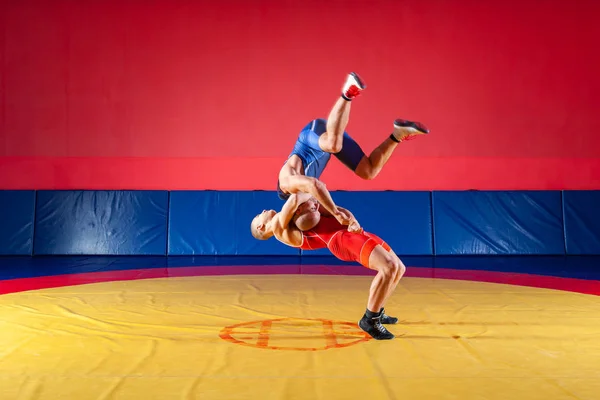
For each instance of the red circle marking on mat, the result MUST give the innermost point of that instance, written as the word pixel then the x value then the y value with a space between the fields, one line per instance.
pixel 258 334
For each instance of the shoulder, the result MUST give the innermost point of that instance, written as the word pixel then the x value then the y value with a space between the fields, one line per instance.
pixel 290 236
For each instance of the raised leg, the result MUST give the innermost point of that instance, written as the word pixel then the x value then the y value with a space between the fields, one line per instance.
pixel 331 140
pixel 370 166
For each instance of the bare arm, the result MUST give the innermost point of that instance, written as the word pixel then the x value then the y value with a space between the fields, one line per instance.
pixel 310 185
pixel 353 225
pixel 347 212
pixel 282 229
pixel 307 184
pixel 281 221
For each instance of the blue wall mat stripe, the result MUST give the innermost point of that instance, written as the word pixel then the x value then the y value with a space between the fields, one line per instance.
pixel 402 219
pixel 508 222
pixel 431 212
pixel 582 222
pixel 101 222
pixel 17 209
pixel 218 223
pixel 414 223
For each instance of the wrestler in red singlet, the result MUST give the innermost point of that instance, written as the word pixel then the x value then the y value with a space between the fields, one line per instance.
pixel 347 246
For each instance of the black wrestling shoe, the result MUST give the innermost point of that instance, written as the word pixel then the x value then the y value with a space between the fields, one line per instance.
pixel 374 328
pixel 386 319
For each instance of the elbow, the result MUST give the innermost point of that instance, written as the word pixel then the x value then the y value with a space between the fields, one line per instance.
pixel 288 187
pixel 333 145
pixel 284 186
pixel 293 198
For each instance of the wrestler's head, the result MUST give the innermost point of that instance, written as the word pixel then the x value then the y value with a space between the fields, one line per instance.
pixel 259 226
pixel 307 215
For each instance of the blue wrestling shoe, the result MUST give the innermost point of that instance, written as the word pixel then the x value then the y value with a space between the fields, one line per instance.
pixel 407 130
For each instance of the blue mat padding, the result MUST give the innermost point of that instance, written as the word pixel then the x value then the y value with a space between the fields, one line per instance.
pixel 402 219
pixel 582 222
pixel 218 223
pixel 498 223
pixel 17 209
pixel 101 223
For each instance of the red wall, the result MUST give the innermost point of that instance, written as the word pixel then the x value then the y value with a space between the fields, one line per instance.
pixel 211 95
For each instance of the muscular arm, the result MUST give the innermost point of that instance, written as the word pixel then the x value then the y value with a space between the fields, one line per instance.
pixel 282 219
pixel 350 215
pixel 282 229
pixel 353 225
pixel 307 184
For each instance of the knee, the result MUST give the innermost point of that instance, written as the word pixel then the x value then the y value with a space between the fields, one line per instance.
pixel 401 269
pixel 390 269
pixel 394 269
pixel 365 172
pixel 331 145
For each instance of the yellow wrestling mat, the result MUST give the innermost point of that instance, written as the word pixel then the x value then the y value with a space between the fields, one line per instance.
pixel 295 337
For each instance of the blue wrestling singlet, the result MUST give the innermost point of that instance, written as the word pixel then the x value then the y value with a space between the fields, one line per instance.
pixel 314 159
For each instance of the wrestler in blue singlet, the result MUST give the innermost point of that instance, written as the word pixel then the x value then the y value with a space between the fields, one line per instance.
pixel 314 159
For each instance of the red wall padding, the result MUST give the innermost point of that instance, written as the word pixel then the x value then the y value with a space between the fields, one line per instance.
pixel 211 95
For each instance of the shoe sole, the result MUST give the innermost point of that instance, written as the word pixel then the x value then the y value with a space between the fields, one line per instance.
pixel 417 126
pixel 361 83
pixel 360 327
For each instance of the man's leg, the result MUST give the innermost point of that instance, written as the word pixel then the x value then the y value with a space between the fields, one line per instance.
pixel 369 167
pixel 386 319
pixel 331 140
pixel 335 140
pixel 388 274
